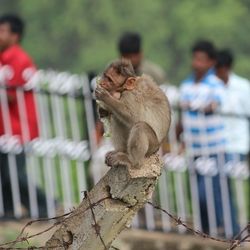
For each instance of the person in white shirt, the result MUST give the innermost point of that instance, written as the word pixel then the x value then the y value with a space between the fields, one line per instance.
pixel 236 109
pixel 236 106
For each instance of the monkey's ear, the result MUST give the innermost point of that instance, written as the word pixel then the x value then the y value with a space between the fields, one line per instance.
pixel 130 83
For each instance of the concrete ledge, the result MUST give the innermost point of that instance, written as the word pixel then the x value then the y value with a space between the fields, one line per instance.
pixel 128 190
pixel 134 239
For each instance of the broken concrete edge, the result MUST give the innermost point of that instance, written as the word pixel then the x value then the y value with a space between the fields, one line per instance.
pixel 122 193
pixel 131 185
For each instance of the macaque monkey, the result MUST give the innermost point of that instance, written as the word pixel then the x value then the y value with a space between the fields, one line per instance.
pixel 139 114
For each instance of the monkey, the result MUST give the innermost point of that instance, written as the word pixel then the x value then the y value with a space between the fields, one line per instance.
pixel 138 111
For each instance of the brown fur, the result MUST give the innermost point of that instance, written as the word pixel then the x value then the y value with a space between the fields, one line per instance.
pixel 140 120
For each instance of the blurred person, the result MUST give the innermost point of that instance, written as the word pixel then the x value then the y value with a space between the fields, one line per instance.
pixel 236 102
pixel 130 47
pixel 16 68
pixel 203 131
pixel 171 142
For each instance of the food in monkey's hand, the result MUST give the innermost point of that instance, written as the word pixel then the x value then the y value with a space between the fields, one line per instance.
pixel 103 114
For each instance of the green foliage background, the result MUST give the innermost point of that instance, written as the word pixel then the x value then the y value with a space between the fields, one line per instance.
pixel 81 35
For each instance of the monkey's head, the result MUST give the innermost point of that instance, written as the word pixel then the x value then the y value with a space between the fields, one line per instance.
pixel 118 76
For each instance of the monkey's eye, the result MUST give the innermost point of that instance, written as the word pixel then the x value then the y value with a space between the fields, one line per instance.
pixel 108 80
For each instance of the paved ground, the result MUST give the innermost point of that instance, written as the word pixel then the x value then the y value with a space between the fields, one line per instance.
pixel 128 240
pixel 141 240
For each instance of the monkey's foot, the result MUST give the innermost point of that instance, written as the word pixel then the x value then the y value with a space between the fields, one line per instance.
pixel 115 159
pixel 108 157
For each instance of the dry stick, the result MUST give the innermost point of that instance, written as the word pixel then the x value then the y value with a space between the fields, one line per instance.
pixel 240 233
pixel 38 220
pixel 115 248
pixel 96 225
pixel 234 242
pixel 30 247
pixel 21 239
pixel 238 242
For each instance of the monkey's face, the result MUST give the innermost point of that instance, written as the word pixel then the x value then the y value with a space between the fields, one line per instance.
pixel 112 81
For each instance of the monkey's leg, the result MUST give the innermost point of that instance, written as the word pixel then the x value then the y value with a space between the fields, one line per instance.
pixel 119 137
pixel 142 143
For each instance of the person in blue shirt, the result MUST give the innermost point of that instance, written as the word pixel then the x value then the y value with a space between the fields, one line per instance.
pixel 201 96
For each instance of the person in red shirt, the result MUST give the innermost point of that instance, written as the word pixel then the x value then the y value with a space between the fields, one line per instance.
pixel 16 68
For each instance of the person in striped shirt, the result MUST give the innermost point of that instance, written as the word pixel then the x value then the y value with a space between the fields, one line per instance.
pixel 201 95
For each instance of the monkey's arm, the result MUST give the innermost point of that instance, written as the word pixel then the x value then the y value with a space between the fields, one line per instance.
pixel 114 106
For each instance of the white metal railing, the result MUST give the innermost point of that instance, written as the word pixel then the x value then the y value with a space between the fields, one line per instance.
pixel 58 161
pixel 178 185
pixel 179 193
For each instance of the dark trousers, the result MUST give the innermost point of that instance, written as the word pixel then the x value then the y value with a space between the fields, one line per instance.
pixel 203 202
pixel 217 202
pixel 23 186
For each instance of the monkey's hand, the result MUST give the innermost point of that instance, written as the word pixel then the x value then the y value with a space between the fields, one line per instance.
pixel 102 94
pixel 114 105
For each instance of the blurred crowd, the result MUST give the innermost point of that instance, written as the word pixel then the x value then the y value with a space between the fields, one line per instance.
pixel 213 93
pixel 211 114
